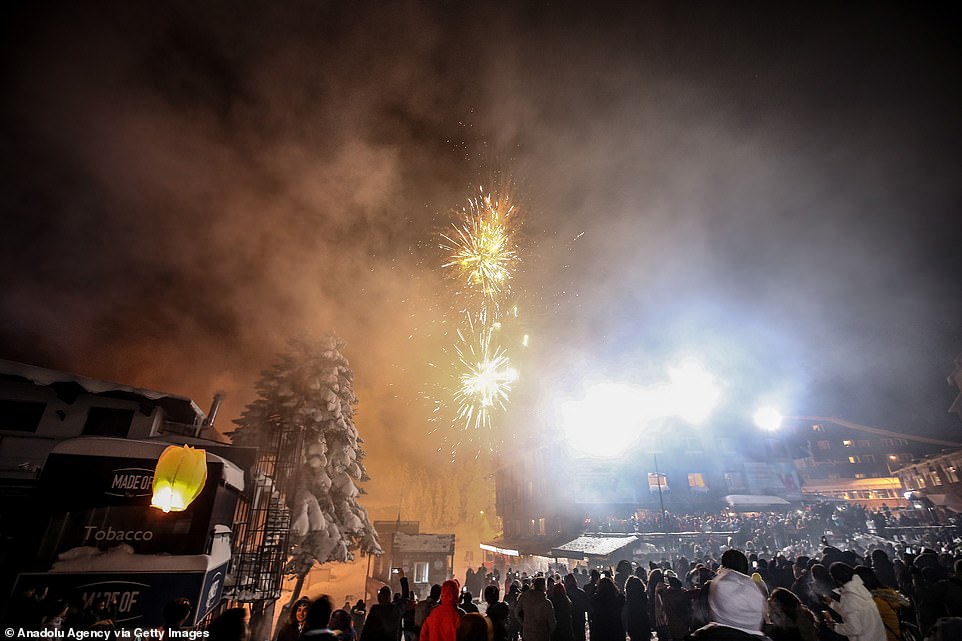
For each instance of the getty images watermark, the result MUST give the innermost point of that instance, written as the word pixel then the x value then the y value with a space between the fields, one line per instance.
pixel 82 635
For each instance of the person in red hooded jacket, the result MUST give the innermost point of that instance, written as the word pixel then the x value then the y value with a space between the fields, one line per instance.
pixel 442 623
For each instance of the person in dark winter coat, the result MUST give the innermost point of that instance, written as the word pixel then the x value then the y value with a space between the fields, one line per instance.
pixel 951 590
pixel 511 598
pixel 342 625
pixel 635 612
pixel 789 619
pixel 622 572
pixel 358 614
pixel 562 614
pixel 497 612
pixel 535 612
pixel 579 607
pixel 884 569
pixel 383 622
pixel 318 619
pixel 655 578
pixel 674 606
pixel 606 608
pixel 467 602
pixel 424 607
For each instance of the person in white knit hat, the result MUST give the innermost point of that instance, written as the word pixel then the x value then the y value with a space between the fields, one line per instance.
pixel 736 609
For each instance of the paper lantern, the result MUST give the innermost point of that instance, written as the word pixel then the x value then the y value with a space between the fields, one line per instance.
pixel 178 478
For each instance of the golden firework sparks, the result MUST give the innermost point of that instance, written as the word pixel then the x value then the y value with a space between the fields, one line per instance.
pixel 485 382
pixel 482 248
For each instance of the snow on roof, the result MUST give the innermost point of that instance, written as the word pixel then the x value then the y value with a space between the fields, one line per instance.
pixel 139 449
pixel 180 409
pixel 122 558
pixel 595 545
pixel 431 543
pixel 755 499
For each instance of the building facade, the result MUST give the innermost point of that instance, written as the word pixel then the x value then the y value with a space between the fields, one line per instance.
pixel 76 460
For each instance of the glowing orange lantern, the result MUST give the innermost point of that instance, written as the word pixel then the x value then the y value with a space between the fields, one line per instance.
pixel 178 478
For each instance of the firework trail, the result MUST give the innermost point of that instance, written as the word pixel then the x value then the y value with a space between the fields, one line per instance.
pixel 480 253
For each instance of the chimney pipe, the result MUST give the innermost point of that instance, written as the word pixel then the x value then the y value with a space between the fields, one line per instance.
pixel 212 413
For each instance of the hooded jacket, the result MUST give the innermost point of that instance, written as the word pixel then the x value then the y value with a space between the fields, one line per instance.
pixel 889 602
pixel 442 623
pixel 861 620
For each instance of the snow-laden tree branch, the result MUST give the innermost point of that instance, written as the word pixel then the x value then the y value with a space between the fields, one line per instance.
pixel 304 415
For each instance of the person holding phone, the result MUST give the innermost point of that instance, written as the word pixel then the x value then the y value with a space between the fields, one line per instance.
pixel 861 620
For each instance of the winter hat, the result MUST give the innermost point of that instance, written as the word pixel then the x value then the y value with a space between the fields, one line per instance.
pixel 736 601
pixel 735 560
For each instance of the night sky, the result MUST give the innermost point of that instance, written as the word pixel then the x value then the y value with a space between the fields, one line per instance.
pixel 775 190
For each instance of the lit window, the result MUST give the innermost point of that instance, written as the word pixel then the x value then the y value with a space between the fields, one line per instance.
pixel 853 459
pixel 848 443
pixel 656 481
pixel 696 482
pixel 421 572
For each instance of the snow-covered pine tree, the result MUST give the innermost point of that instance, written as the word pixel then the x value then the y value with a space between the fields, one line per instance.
pixel 304 417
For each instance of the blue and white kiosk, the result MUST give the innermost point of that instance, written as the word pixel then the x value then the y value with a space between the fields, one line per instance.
pixel 104 540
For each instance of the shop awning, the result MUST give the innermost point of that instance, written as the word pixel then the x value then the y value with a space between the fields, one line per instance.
pixel 593 546
pixel 521 547
pixel 755 502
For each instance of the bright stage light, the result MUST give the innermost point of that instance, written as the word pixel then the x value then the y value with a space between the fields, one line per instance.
pixel 768 418
pixel 693 392
pixel 605 423
pixel 614 416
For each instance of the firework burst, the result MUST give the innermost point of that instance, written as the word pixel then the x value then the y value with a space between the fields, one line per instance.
pixel 481 248
pixel 485 380
pixel 480 255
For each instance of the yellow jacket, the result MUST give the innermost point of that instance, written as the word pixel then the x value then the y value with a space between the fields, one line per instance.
pixel 888 602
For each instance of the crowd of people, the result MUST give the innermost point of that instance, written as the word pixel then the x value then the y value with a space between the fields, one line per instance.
pixel 763 577
pixel 775 529
pixel 743 578
pixel 883 592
